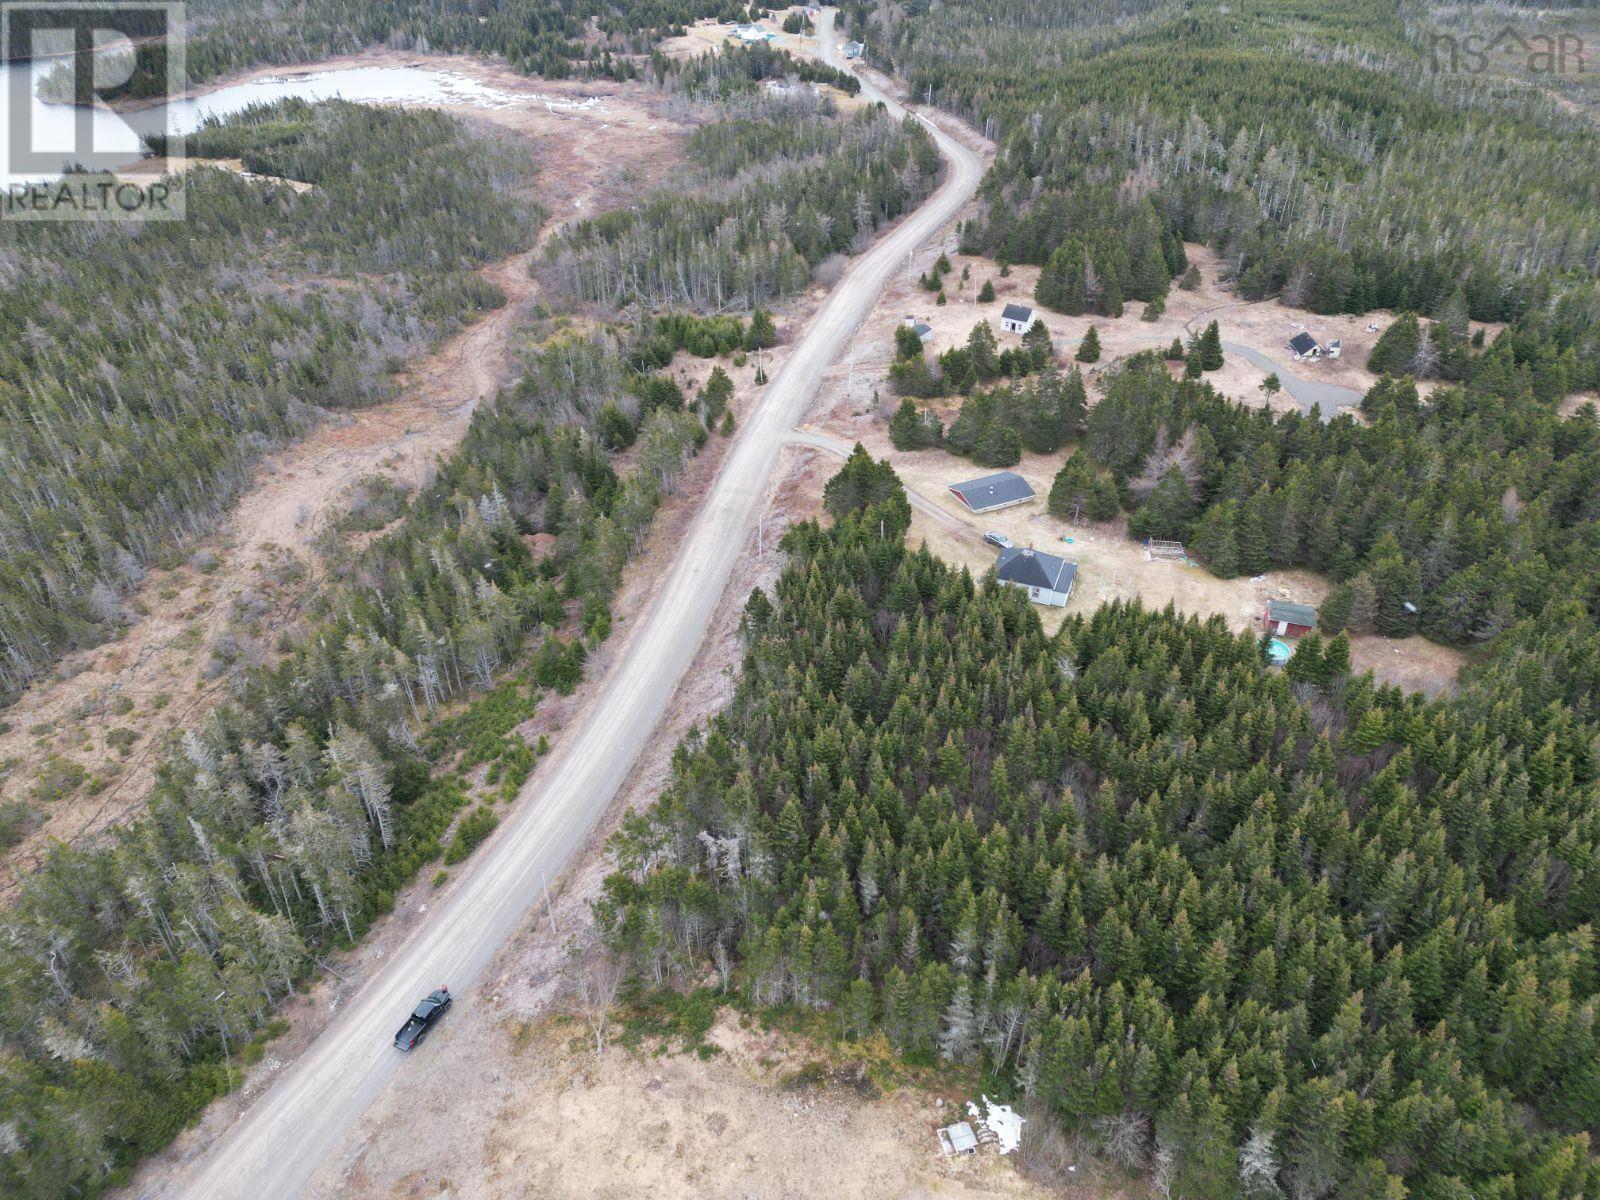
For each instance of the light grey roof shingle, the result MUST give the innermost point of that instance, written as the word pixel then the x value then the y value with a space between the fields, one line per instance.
pixel 992 491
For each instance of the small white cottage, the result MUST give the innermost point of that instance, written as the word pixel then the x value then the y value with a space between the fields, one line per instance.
pixel 1017 318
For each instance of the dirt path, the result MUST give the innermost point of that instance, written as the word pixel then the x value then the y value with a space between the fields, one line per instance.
pixel 265 572
pixel 103 716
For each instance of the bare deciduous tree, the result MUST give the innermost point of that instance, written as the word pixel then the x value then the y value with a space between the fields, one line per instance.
pixel 595 988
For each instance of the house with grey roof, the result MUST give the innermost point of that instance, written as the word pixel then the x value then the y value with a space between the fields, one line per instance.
pixel 1303 346
pixel 1046 578
pixel 1017 318
pixel 992 492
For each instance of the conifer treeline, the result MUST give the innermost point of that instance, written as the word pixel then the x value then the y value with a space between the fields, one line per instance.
pixel 1315 146
pixel 782 184
pixel 963 368
pixel 552 38
pixel 1266 933
pixel 133 971
pixel 1477 509
pixel 733 67
pixel 144 370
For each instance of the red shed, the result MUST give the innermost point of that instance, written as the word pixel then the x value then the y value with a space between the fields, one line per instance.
pixel 1287 619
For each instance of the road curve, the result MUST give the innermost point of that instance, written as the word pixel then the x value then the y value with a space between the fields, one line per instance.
pixel 279 1141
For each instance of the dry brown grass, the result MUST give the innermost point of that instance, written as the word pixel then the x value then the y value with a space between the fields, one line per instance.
pixel 857 401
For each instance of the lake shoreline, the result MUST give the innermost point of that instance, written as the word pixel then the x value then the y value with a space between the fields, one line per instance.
pixel 379 57
pixel 458 84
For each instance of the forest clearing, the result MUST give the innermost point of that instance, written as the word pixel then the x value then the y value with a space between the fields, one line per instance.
pixel 1112 566
pixel 1264 326
pixel 762 1115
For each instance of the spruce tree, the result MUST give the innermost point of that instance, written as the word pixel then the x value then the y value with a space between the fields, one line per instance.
pixel 983 352
pixel 1211 348
pixel 1037 343
pixel 909 429
pixel 1166 513
pixel 1074 405
pixel 762 333
pixel 1000 446
pixel 1089 348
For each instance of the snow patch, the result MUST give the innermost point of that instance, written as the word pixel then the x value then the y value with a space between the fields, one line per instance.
pixel 1001 1120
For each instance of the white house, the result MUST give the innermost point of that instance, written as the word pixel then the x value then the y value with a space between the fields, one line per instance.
pixel 853 49
pixel 1017 318
pixel 1046 578
pixel 1306 348
pixel 1303 346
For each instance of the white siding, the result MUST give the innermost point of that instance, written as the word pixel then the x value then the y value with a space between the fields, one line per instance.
pixel 1041 595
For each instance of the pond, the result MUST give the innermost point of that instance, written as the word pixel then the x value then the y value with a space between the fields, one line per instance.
pixel 115 136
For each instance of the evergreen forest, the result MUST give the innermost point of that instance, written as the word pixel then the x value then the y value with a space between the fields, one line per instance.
pixel 145 369
pixel 1456 518
pixel 779 185
pixel 555 39
pixel 1260 933
pixel 138 973
pixel 1329 153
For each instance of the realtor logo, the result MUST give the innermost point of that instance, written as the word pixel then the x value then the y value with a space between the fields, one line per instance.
pixel 73 74
pixel 1538 54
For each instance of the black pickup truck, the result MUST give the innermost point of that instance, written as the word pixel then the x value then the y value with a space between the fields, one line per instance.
pixel 423 1018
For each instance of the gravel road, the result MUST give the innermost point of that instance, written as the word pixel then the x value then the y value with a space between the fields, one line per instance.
pixel 280 1139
